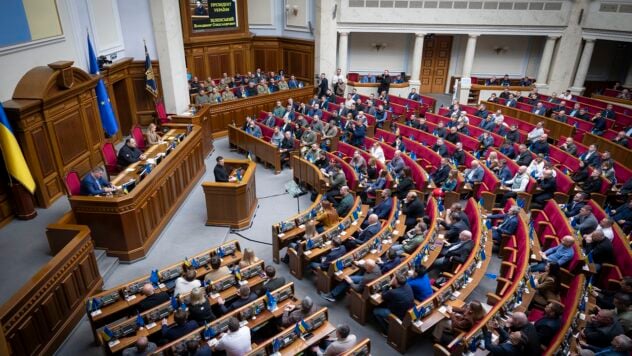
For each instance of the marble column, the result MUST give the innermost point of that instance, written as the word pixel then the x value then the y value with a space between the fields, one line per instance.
pixel 165 17
pixel 468 62
pixel 628 78
pixel 568 49
pixel 343 49
pixel 325 36
pixel 415 76
pixel 582 69
pixel 545 63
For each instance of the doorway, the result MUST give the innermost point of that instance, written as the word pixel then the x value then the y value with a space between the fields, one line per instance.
pixel 435 63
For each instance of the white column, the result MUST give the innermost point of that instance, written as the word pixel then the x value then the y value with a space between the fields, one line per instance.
pixel 584 63
pixel 165 17
pixel 325 38
pixel 415 76
pixel 470 49
pixel 628 78
pixel 343 49
pixel 545 62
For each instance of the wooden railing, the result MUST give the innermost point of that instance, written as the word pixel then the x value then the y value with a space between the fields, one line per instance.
pixel 39 317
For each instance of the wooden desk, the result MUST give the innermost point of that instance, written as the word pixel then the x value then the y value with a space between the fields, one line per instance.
pixel 557 128
pixel 233 203
pixel 621 154
pixel 127 225
pixel 261 149
pixel 201 118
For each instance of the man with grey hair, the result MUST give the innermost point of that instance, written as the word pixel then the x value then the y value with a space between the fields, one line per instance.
pixel 292 315
pixel 94 183
pixel 508 225
pixel 518 322
pixel 344 342
pixel 517 184
pixel 453 254
pixel 560 254
pixel 355 282
pixel 366 233
pixel 141 348
pixel 346 203
pixel 600 330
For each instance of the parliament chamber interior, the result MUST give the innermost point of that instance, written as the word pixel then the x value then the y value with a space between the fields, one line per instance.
pixel 316 177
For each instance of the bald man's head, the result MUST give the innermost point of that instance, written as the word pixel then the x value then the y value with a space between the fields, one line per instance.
pixel 148 289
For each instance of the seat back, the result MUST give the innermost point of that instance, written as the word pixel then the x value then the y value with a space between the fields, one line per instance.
pixel 137 134
pixel 161 111
pixel 108 153
pixel 73 183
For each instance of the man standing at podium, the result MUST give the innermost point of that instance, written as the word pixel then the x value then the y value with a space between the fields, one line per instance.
pixel 220 172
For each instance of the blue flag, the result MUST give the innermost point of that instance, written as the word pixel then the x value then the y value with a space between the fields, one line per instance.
pixel 140 322
pixel 150 80
pixel 354 215
pixel 339 266
pixel 440 206
pixel 276 345
pixel 488 224
pixel 341 226
pixel 418 259
pixel 194 263
pixel 208 332
pixel 590 257
pixel 220 252
pixel 531 230
pixel 271 301
pixel 413 155
pixel 520 202
pixel 174 302
pixel 153 277
pixel 309 244
pixel 531 281
pixel 107 334
pixel 483 255
pixel 103 100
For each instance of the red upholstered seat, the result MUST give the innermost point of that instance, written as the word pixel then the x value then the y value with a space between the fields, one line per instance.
pixel 137 134
pixel 354 77
pixel 73 183
pixel 108 153
pixel 161 111
pixel 266 131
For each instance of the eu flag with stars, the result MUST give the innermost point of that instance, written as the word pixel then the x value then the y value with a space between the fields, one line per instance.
pixel 103 100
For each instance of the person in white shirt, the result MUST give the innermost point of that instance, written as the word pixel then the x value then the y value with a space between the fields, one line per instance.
pixel 537 131
pixel 605 226
pixel 338 76
pixel 236 342
pixel 566 95
pixel 536 167
pixel 378 152
pixel 344 342
pixel 186 283
pixel 499 118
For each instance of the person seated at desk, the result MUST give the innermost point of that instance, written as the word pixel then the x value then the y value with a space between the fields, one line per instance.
pixel 244 296
pixel 547 186
pixel 397 301
pixel 508 226
pixel 453 254
pixel 460 319
pixel 547 286
pixel 142 347
pixel 343 342
pixel 355 282
pixel 383 209
pixel 560 254
pixel 273 282
pixel 199 308
pixel 474 174
pixel 518 321
pixel 414 208
pixel 248 258
pixel 152 136
pixel 392 260
pixel 181 328
pixel 292 315
pixel 374 186
pixel 337 251
pixel 237 341
pixel 420 283
pixel 549 324
pixel 574 206
pixel 513 345
pixel 599 332
pixel 220 172
pixel 585 222
pixel 405 184
pixel 374 226
pixel 95 184
pixel 152 298
pixel 218 270
pixel 129 153
pixel 454 224
pixel 186 283
pixel 346 203
pixel 599 250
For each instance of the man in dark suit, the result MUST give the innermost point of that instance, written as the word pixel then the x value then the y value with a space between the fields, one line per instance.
pixel 337 250
pixel 398 300
pixel 440 130
pixel 524 157
pixel 441 148
pixel 273 282
pixel 549 324
pixel 518 322
pixel 508 226
pixel 441 174
pixel 539 109
pixel 511 102
pixel 384 207
pixel 413 208
pixel 482 111
pixel 129 153
pixel 220 172
pixel 365 234
pixel 181 328
pixel 385 83
pixel 413 95
pixel 323 85
pixel 454 229
pixel 152 298
pixel 608 112
pixel 453 254
pixel 572 208
pixel 95 184
pixel 591 157
pixel 547 185
pixel 244 295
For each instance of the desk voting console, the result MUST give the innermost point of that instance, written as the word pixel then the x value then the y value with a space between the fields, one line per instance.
pixel 233 203
pixel 128 223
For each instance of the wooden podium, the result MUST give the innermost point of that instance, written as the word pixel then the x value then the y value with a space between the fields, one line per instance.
pixel 232 204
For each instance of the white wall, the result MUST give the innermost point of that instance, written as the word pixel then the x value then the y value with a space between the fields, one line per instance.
pixel 269 18
pixel 612 17
pixel 135 21
pixel 363 58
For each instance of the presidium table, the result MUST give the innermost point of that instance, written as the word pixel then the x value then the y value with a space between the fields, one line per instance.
pixel 232 204
pixel 127 223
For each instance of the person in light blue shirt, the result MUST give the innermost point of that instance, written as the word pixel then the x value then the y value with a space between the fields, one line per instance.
pixel 560 254
pixel 420 284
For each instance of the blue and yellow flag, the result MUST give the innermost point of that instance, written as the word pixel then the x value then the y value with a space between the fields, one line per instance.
pixel 237 273
pixel 108 121
pixel 12 154
pixel 107 334
pixel 150 80
pixel 139 320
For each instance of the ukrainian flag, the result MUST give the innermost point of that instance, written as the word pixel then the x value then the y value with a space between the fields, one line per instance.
pixel 12 154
